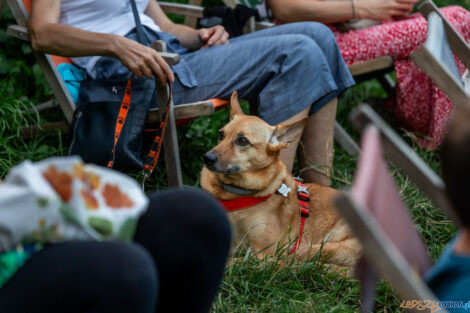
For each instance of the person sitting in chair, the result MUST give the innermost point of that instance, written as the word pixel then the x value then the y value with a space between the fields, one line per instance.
pixel 291 71
pixel 450 277
pixel 369 29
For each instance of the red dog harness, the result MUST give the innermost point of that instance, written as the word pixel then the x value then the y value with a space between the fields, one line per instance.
pixel 249 201
pixel 303 198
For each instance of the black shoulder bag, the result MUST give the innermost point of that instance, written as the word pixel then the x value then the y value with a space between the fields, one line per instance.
pixel 108 124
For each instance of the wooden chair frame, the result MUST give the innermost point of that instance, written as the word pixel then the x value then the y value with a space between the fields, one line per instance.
pixel 433 67
pixel 360 71
pixel 382 253
pixel 67 105
pixel 377 247
pixel 376 68
pixel 405 158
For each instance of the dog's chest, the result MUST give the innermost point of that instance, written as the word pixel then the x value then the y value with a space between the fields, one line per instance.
pixel 266 222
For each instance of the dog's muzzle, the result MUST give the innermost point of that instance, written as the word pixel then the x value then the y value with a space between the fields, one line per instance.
pixel 210 159
pixel 212 163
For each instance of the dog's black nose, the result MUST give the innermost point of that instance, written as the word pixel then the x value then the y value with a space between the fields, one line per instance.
pixel 210 158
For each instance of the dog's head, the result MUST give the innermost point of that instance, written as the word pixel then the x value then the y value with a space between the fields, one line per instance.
pixel 247 143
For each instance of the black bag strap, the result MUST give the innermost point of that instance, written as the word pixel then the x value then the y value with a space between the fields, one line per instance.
pixel 150 161
pixel 138 25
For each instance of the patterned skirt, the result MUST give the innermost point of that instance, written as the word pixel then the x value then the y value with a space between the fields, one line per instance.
pixel 420 106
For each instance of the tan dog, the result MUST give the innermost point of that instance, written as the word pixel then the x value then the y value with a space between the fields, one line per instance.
pixel 245 161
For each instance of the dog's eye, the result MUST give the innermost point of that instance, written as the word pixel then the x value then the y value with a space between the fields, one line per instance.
pixel 242 141
pixel 221 135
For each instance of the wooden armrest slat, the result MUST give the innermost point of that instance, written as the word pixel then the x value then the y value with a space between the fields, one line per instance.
pixel 190 110
pixel 183 9
pixel 18 31
pixel 263 25
pixel 21 32
pixel 377 64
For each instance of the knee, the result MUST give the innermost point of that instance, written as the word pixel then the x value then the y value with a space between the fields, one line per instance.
pixel 322 35
pixel 195 213
pixel 304 49
pixel 132 273
pixel 300 43
pixel 316 30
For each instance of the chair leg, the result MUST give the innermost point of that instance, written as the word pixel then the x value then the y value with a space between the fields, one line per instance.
pixel 253 107
pixel 388 84
pixel 172 155
pixel 170 140
pixel 345 141
pixel 2 4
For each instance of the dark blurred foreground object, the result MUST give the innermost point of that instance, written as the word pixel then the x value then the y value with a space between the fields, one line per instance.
pixel 180 248
pixel 234 20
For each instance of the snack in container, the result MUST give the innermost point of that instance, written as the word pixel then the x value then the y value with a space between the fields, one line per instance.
pixel 62 199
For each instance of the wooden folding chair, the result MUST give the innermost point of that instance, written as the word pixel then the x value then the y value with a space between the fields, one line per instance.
pixel 362 71
pixel 378 218
pixel 402 155
pixel 435 57
pixel 48 65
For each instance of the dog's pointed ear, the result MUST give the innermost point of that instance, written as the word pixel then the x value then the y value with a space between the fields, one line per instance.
pixel 284 134
pixel 235 108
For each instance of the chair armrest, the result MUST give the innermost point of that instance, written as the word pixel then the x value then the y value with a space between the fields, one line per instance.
pixel 21 32
pixel 369 66
pixel 263 25
pixel 18 31
pixel 184 111
pixel 183 9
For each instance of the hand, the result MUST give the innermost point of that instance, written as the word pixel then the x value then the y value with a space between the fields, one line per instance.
pixel 142 60
pixel 383 10
pixel 213 36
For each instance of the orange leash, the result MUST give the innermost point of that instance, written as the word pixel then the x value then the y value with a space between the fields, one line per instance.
pixel 125 104
pixel 152 157
pixel 155 149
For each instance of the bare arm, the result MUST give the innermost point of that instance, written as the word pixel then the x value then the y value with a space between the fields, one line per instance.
pixel 339 11
pixel 190 38
pixel 48 36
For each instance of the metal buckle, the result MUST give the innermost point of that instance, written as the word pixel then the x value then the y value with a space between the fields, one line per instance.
pixel 145 175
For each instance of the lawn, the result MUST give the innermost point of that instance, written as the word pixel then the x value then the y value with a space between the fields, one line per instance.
pixel 250 285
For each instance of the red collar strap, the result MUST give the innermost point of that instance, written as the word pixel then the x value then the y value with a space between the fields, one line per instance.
pixel 242 202
pixel 246 202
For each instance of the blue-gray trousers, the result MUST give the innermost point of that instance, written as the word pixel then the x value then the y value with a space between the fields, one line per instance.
pixel 285 69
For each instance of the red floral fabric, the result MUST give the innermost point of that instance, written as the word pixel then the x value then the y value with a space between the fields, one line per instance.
pixel 421 107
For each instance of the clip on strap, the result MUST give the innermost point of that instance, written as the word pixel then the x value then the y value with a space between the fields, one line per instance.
pixel 155 149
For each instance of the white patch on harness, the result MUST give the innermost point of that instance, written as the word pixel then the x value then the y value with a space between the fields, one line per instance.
pixel 302 189
pixel 284 190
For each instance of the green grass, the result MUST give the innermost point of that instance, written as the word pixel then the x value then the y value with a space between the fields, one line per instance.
pixel 250 285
